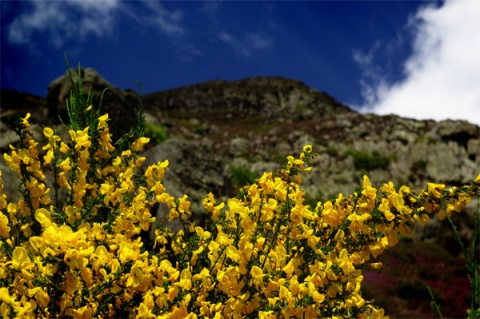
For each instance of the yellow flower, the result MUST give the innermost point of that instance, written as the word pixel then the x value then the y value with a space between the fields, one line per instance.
pixel 292 161
pixel 140 143
pixel 185 280
pixel 257 275
pixel 144 312
pixel 40 296
pixel 435 189
pixel 232 253
pixel 70 283
pixel 48 158
pixel 289 268
pixel 84 312
pixel 48 132
pixel 368 191
pixel 376 266
pixel 313 292
pixel 4 228
pixel 385 209
pixel 202 233
pixel 204 276
pixel 135 277
pixel 102 121
pixel 25 121
pixel 43 217
pixel 81 138
pixel 75 259
pixel 64 148
pixel 65 165
pixel 19 257
pixel 405 190
pixel 308 148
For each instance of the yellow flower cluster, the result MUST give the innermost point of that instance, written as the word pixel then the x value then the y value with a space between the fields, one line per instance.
pixel 264 253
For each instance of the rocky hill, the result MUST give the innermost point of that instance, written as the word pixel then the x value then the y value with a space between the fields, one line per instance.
pixel 223 134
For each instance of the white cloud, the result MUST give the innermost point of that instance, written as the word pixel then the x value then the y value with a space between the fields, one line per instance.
pixel 58 19
pixel 442 76
pixel 62 21
pixel 251 41
pixel 210 7
pixel 258 41
pixel 240 48
pixel 168 22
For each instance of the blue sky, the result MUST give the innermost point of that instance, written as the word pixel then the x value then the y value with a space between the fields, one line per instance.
pixel 413 58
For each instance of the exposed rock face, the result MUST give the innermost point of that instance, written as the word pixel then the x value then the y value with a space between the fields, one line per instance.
pixel 263 97
pixel 119 104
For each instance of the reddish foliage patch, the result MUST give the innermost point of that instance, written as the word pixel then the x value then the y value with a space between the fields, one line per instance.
pixel 400 287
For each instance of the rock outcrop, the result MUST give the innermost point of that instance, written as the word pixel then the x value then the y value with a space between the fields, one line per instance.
pixel 265 98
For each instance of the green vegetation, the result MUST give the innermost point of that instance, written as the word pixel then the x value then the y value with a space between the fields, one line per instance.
pixel 157 134
pixel 242 176
pixel 365 161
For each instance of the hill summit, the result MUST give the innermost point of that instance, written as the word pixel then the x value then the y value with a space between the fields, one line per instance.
pixel 264 97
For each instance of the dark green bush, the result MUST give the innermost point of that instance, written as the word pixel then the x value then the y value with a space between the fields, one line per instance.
pixel 365 161
pixel 157 134
pixel 242 176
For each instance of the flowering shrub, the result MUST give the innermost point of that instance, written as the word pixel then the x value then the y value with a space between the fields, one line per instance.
pixel 263 253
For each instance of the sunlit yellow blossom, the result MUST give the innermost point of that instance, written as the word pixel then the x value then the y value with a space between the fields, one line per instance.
pixel 257 275
pixel 435 189
pixel 40 296
pixel 144 312
pixel 48 132
pixel 102 121
pixel 368 191
pixel 64 148
pixel 65 165
pixel 81 138
pixel 4 228
pixel 25 122
pixel 19 257
pixel 140 143
pixel 5 296
pixel 308 148
pixel 185 280
pixel 84 312
pixel 48 158
pixel 294 161
pixel 43 217
pixel 385 209
pixel 289 268
pixel 156 172
pixel 136 277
